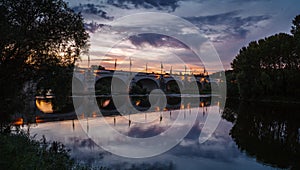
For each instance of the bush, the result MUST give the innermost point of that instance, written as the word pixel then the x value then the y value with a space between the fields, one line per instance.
pixel 20 151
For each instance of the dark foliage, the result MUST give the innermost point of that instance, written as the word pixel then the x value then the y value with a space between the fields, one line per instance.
pixel 22 152
pixel 39 42
pixel 270 66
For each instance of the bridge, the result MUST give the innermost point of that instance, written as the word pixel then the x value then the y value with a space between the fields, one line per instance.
pixel 84 80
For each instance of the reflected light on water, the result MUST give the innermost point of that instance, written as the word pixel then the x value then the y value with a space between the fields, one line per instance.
pixel 19 121
pixel 94 115
pixel 157 109
pixel 188 106
pixel 81 116
pixel 44 106
pixel 202 104
pixel 182 106
pixel 38 119
pixel 106 103
pixel 137 102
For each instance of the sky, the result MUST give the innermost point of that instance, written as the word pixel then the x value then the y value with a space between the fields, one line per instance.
pixel 227 25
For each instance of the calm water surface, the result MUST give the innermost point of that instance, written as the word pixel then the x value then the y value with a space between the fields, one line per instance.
pixel 249 136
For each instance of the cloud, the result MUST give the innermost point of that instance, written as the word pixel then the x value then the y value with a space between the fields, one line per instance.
pixel 219 147
pixel 226 25
pixel 155 40
pixel 139 132
pixel 142 165
pixel 169 5
pixel 93 26
pixel 92 9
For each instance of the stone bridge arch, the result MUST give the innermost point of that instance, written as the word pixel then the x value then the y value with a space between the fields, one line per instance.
pixel 148 84
pixel 111 84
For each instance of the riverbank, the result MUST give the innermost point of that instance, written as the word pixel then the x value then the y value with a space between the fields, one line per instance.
pixel 20 151
pixel 269 100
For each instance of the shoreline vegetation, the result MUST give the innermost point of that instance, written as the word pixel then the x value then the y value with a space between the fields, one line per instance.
pixel 267 100
pixel 26 152
pixel 269 68
pixel 39 41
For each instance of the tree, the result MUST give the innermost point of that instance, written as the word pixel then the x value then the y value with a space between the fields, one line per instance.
pixel 231 84
pixel 296 26
pixel 38 39
pixel 270 66
pixel 246 65
pixel 296 43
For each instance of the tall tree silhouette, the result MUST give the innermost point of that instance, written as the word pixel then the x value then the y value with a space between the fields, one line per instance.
pixel 270 66
pixel 38 39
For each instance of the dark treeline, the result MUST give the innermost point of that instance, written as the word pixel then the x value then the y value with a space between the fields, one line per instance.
pixel 39 42
pixel 269 67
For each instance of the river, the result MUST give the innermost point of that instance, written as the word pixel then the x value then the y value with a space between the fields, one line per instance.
pixel 250 135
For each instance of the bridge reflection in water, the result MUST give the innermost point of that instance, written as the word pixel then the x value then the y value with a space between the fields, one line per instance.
pixel 144 122
pixel 140 103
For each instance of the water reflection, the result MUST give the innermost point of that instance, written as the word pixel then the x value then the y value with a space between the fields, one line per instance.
pixel 145 124
pixel 52 104
pixel 266 131
pixel 142 103
pixel 121 104
pixel 44 104
pixel 270 132
pixel 219 152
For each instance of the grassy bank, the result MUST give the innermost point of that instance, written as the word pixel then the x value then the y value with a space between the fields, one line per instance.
pixel 19 151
